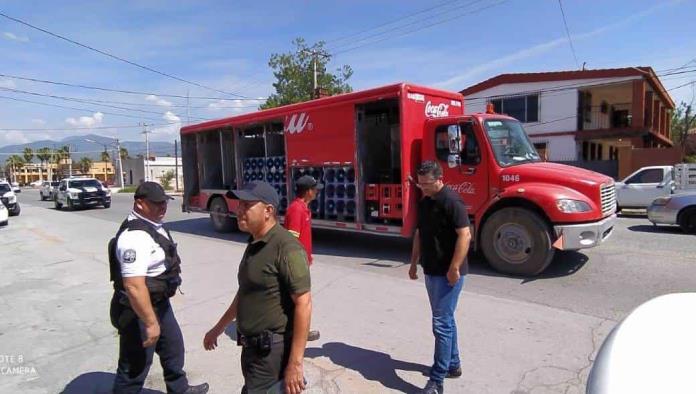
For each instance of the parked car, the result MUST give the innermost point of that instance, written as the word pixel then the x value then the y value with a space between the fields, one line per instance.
pixel 4 215
pixel 9 199
pixel 48 190
pixel 641 188
pixel 81 192
pixel 36 184
pixel 650 351
pixel 679 209
pixel 15 187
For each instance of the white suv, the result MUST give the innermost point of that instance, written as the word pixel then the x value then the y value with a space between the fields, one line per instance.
pixel 81 192
pixel 9 199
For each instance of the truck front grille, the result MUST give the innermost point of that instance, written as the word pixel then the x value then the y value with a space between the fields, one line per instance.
pixel 607 194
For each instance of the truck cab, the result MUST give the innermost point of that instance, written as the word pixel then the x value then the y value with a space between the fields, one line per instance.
pixel 522 207
pixel 81 192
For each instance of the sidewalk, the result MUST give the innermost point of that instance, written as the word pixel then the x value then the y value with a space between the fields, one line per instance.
pixel 375 330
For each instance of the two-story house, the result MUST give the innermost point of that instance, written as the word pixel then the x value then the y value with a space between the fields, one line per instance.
pixel 581 115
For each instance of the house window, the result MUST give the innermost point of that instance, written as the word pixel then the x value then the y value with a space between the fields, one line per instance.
pixel 542 150
pixel 523 108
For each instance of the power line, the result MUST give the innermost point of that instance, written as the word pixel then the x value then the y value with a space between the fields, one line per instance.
pixel 117 57
pixel 681 86
pixel 85 128
pixel 85 101
pixel 127 91
pixel 421 27
pixel 570 40
pixel 403 26
pixel 76 109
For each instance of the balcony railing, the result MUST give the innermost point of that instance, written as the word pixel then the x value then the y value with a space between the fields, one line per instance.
pixel 606 116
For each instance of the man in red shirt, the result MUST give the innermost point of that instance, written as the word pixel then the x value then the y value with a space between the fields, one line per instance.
pixel 298 219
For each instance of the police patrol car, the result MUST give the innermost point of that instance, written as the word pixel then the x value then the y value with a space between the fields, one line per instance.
pixel 9 199
pixel 77 192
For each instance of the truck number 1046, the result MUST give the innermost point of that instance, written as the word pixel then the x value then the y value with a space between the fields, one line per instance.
pixel 511 178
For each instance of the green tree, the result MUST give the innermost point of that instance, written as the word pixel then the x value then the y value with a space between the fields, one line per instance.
pixel 105 156
pixel 85 165
pixel 166 180
pixel 15 163
pixel 28 155
pixel 124 153
pixel 683 120
pixel 294 73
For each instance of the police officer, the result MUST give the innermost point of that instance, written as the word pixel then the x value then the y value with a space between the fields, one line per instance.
pixel 145 269
pixel 273 300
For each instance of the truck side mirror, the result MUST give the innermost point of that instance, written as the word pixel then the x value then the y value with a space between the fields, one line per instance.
pixel 454 135
pixel 453 160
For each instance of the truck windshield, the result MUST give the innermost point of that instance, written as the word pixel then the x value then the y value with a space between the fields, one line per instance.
pixel 510 143
pixel 4 188
pixel 85 183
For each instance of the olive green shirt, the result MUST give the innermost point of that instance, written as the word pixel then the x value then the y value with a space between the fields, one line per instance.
pixel 273 268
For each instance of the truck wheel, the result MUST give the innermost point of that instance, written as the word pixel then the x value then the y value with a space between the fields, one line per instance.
pixel 687 220
pixel 15 212
pixel 517 241
pixel 219 215
pixel 107 205
pixel 58 205
pixel 71 206
pixel 42 196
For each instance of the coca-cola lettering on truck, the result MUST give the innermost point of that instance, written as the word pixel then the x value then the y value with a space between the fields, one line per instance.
pixel 370 144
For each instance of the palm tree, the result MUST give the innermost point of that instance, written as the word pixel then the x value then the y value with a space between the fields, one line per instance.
pixel 124 153
pixel 85 165
pixel 15 162
pixel 44 155
pixel 28 154
pixel 105 158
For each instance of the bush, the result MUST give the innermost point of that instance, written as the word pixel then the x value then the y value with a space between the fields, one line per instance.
pixel 690 159
pixel 128 189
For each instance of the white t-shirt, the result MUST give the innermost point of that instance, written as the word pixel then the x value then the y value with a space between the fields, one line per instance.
pixel 139 254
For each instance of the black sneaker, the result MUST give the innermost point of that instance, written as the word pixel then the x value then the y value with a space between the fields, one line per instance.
pixel 313 335
pixel 200 389
pixel 432 388
pixel 454 373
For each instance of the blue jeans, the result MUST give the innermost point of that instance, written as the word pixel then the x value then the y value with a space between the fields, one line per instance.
pixel 443 302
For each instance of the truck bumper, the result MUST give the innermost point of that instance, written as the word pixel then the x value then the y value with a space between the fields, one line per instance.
pixel 583 236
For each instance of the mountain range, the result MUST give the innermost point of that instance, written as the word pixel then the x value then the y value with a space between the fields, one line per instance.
pixel 83 148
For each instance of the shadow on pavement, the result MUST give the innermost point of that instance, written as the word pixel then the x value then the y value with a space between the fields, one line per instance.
pixel 372 365
pixel 564 263
pixel 645 228
pixel 203 227
pixel 96 382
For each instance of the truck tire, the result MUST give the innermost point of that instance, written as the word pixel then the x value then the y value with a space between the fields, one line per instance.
pixel 219 215
pixel 687 220
pixel 71 206
pixel 15 212
pixel 517 241
pixel 107 205
pixel 42 196
pixel 58 205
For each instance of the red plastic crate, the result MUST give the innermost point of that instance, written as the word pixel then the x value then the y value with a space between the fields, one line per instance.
pixel 393 210
pixel 372 192
pixel 390 193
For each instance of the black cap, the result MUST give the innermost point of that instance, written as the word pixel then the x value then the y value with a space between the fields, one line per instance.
pixel 308 182
pixel 256 191
pixel 151 191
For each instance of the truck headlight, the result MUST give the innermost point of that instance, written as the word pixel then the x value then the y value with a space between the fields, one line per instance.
pixel 107 193
pixel 572 206
pixel 74 195
pixel 661 201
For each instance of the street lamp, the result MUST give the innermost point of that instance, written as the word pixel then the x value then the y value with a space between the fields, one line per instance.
pixel 117 145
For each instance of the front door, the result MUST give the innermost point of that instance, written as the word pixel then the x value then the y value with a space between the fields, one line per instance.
pixel 641 188
pixel 469 179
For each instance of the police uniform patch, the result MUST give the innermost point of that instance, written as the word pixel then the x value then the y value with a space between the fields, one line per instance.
pixel 129 256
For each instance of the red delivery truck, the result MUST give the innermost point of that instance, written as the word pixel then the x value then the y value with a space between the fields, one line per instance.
pixel 365 147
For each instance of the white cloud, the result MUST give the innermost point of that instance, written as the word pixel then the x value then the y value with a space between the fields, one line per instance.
pixel 158 101
pixel 170 131
pixel 14 37
pixel 171 117
pixel 86 121
pixel 39 122
pixel 12 138
pixel 236 106
pixel 7 83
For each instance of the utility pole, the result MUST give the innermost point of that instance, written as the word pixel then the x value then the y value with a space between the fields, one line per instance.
pixel 176 165
pixel 188 112
pixel 69 163
pixel 147 152
pixel 120 165
pixel 315 55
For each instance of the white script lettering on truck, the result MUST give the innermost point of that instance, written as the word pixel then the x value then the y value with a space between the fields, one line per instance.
pixel 436 110
pixel 297 123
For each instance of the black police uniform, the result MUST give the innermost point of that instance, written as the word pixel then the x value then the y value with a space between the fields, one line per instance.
pixel 134 360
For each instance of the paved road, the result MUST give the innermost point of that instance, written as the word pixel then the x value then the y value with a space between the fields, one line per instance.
pixel 518 336
pixel 639 262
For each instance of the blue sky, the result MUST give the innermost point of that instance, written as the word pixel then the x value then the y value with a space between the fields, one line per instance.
pixel 226 46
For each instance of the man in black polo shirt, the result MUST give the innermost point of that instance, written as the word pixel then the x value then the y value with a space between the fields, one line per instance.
pixel 440 244
pixel 273 300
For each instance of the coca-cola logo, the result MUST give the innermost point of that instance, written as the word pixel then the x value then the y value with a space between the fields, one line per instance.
pixel 436 110
pixel 463 188
pixel 297 123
